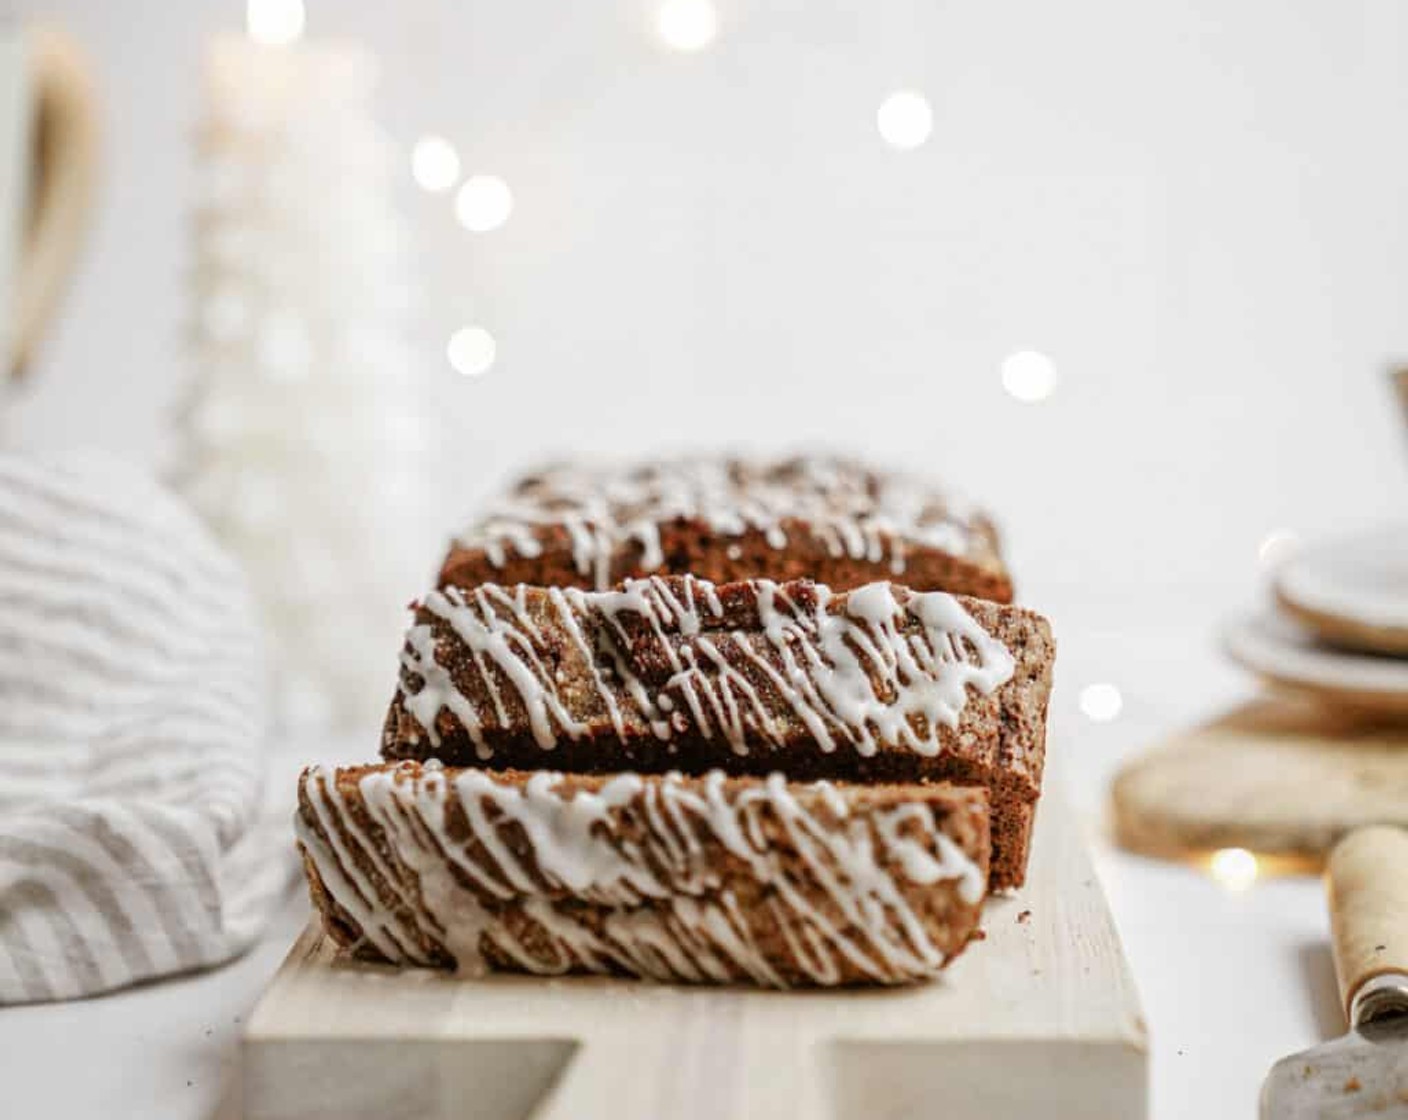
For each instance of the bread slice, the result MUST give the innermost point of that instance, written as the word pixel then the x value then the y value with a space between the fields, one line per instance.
pixel 820 517
pixel 704 879
pixel 876 684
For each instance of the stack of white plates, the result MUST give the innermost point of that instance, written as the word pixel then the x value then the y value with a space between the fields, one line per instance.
pixel 1339 627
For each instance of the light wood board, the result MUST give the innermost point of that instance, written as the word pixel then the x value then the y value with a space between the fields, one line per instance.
pixel 1281 776
pixel 1041 1018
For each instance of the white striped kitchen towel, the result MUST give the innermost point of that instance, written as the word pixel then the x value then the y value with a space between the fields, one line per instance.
pixel 133 726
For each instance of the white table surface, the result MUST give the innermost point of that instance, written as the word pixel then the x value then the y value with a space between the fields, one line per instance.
pixel 1229 981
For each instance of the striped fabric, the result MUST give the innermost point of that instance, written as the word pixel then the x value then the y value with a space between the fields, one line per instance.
pixel 132 731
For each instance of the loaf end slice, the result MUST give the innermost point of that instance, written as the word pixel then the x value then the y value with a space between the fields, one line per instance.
pixel 705 879
pixel 822 517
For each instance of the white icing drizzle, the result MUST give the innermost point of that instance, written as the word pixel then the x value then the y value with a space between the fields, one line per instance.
pixel 830 665
pixel 841 888
pixel 852 676
pixel 494 627
pixel 853 511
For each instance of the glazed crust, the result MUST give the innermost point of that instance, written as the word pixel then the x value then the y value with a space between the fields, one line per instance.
pixel 997 741
pixel 822 517
pixel 362 859
pixel 691 547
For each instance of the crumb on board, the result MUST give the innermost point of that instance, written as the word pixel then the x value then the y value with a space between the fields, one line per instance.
pixel 1352 1085
pixel 1024 917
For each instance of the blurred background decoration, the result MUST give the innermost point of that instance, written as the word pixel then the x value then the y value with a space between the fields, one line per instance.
pixel 48 166
pixel 1323 749
pixel 1126 298
pixel 786 223
pixel 305 438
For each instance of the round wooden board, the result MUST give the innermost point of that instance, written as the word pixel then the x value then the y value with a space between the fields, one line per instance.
pixel 1283 777
pixel 1352 592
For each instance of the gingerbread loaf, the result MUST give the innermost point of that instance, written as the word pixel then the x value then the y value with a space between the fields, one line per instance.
pixel 879 684
pixel 693 879
pixel 820 517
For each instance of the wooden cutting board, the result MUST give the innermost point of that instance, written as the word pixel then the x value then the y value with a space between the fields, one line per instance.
pixel 1282 776
pixel 1040 1019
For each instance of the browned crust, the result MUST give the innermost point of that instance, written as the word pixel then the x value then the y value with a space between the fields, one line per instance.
pixel 692 547
pixel 999 743
pixel 949 921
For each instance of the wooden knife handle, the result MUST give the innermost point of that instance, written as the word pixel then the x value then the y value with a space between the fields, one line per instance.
pixel 1368 883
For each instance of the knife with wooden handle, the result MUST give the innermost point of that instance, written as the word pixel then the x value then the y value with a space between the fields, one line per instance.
pixel 1365 1073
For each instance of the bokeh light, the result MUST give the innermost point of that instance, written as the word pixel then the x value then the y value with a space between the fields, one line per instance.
pixel 1101 702
pixel 905 119
pixel 435 164
pixel 687 25
pixel 483 203
pixel 1233 868
pixel 1029 376
pixel 275 23
pixel 471 351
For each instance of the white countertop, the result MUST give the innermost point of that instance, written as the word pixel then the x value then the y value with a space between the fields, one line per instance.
pixel 1230 982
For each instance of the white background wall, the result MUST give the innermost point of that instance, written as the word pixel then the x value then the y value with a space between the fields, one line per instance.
pixel 1196 208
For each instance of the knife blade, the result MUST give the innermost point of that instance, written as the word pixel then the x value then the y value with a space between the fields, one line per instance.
pixel 1364 1073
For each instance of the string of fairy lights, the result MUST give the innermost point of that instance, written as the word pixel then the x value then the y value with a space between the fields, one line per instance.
pixel 483 202
pixel 904 120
